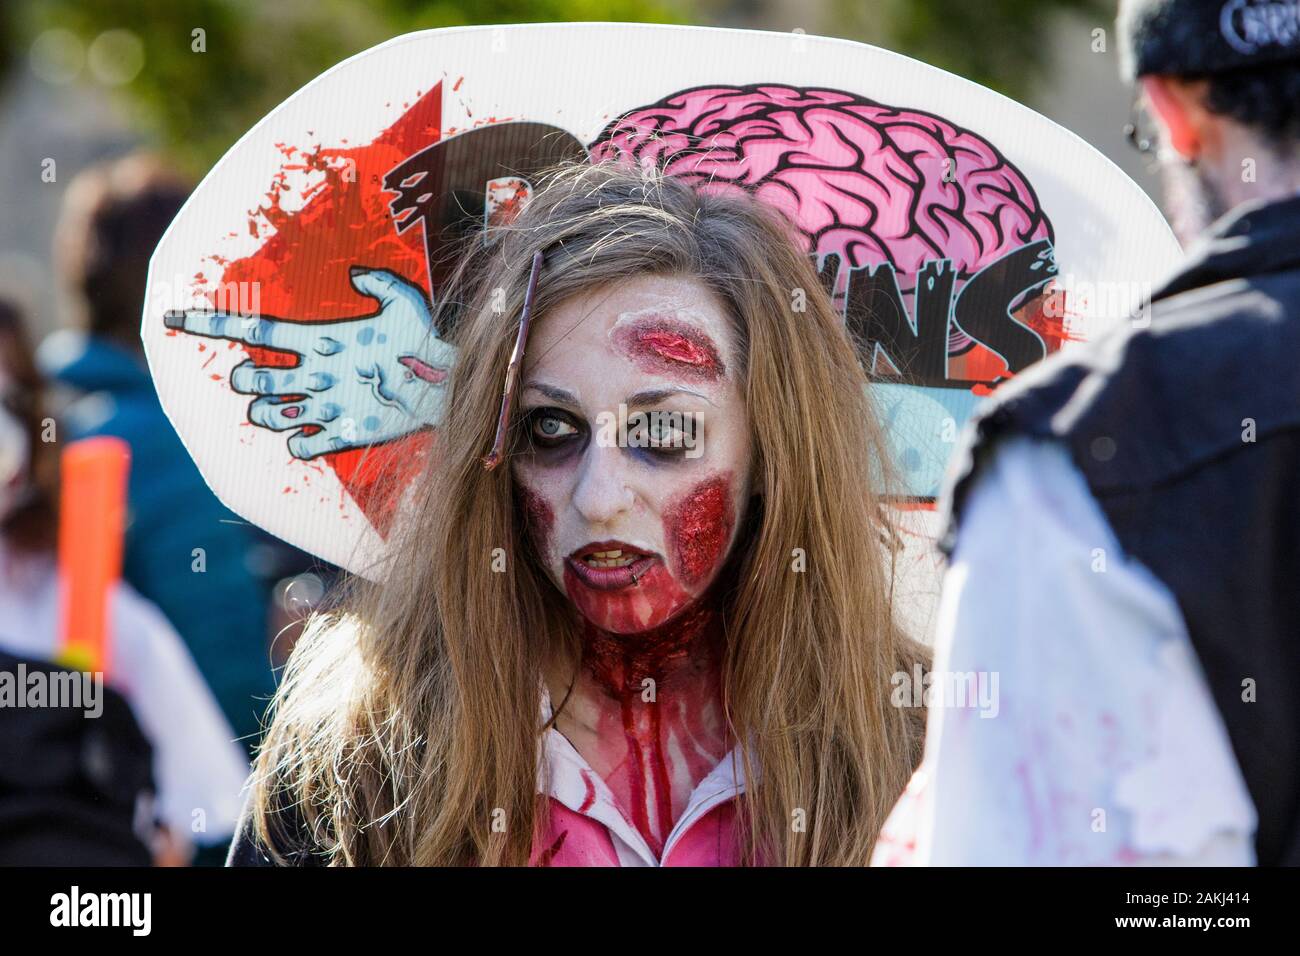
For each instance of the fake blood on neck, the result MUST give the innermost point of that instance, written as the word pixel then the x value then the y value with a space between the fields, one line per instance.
pixel 661 684
pixel 666 680
pixel 697 529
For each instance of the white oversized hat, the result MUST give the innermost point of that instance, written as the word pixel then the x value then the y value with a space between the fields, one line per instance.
pixel 286 320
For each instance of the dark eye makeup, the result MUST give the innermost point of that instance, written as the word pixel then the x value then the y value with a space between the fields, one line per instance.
pixel 554 433
pixel 551 427
pixel 662 434
pixel 550 431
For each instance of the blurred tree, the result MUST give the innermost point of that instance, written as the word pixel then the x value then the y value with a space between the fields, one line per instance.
pixel 1002 44
pixel 200 91
pixel 212 68
pixel 7 40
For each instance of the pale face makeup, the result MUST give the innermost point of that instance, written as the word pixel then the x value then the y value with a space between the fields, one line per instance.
pixel 632 533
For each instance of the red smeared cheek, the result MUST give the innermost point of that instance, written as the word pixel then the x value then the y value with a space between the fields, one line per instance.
pixel 697 530
pixel 539 520
pixel 663 345
pixel 698 527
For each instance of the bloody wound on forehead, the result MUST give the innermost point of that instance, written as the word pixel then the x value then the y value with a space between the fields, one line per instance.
pixel 662 344
pixel 512 370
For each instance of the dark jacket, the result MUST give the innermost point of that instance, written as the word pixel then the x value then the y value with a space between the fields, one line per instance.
pixel 1187 432
pixel 72 788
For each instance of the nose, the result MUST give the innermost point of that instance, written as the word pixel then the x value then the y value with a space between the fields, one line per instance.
pixel 602 493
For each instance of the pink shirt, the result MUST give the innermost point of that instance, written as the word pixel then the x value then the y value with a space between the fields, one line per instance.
pixel 588 828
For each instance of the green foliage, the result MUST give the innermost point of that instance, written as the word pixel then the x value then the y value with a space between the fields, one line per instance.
pixel 257 53
pixel 1002 44
pixel 196 104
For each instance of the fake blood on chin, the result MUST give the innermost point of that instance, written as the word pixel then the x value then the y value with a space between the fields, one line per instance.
pixel 650 590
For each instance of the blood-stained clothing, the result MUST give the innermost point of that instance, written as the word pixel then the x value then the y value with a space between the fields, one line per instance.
pixel 588 828
pixel 1103 746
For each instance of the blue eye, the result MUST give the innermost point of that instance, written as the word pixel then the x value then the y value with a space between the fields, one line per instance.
pixel 662 434
pixel 547 429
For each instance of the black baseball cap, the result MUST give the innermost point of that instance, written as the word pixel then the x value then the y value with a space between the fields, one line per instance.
pixel 1191 37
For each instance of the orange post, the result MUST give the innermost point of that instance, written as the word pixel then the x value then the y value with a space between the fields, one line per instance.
pixel 92 515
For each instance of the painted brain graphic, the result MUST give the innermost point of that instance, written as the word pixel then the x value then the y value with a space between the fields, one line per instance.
pixel 869 182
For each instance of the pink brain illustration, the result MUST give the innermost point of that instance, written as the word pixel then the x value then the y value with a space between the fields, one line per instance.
pixel 868 182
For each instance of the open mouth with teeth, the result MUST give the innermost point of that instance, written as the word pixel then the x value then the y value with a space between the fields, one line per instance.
pixel 615 558
pixel 609 565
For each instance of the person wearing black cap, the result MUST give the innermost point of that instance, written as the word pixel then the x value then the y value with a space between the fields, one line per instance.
pixel 1123 524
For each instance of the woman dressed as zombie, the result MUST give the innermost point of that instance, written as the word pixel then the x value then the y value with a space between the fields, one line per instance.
pixel 628 409
pixel 636 610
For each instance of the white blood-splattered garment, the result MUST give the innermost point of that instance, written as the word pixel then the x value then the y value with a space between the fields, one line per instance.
pixel 1105 746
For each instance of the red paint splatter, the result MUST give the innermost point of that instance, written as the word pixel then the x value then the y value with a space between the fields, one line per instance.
pixel 509 207
pixel 1045 314
pixel 301 269
pixel 698 528
pixel 661 344
pixel 919 505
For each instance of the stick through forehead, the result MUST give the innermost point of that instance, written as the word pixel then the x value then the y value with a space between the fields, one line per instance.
pixel 494 457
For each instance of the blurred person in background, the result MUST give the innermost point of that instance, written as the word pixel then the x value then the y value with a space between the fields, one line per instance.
pixel 219 598
pixel 156 770
pixel 1125 530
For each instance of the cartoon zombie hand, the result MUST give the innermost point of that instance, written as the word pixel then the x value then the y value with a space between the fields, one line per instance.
pixel 360 381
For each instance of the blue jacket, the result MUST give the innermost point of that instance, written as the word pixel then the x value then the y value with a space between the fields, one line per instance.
pixel 220 612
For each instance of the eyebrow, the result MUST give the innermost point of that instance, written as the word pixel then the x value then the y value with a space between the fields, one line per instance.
pixel 555 394
pixel 652 396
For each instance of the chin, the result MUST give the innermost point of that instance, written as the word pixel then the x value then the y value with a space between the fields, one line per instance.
pixel 655 600
pixel 626 620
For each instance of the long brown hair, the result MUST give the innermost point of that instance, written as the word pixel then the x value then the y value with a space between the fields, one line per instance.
pixel 406 729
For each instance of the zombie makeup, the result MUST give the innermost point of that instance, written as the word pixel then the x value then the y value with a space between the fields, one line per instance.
pixel 538 520
pixel 698 528
pixel 662 343
pixel 633 462
pixel 639 526
pixel 626 589
pixel 652 753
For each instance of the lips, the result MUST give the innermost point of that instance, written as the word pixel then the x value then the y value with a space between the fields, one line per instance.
pixel 610 565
